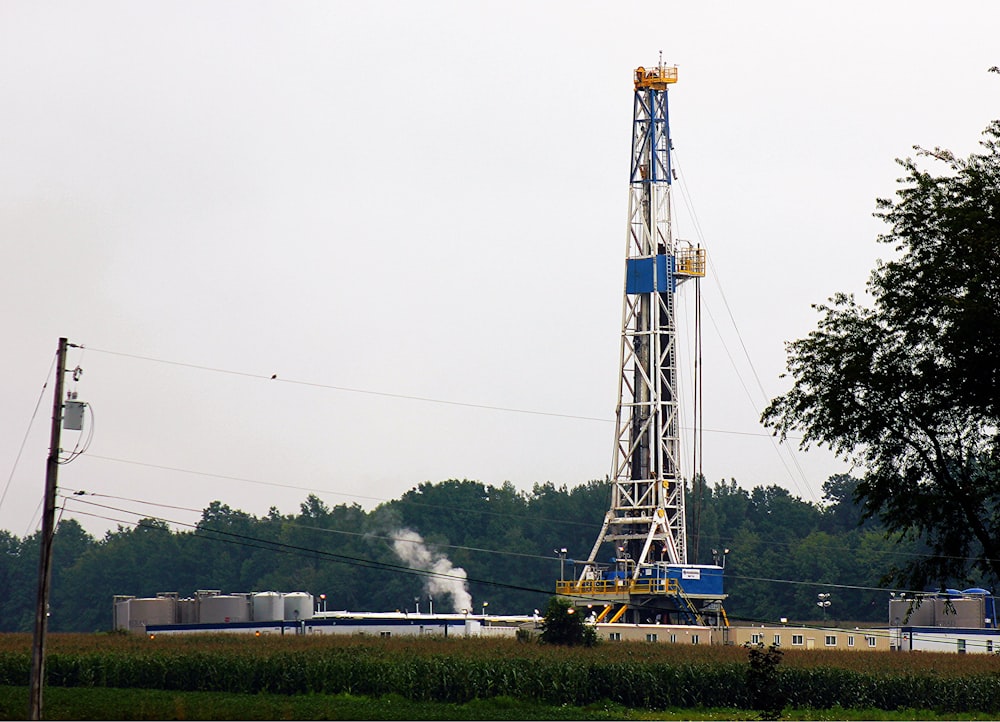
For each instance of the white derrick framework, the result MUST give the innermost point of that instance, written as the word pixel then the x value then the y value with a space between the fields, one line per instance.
pixel 646 522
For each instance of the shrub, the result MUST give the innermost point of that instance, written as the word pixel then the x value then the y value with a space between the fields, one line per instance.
pixel 564 626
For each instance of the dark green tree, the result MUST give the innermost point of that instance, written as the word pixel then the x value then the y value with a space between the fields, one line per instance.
pixel 763 685
pixel 908 388
pixel 564 625
pixel 70 544
pixel 842 512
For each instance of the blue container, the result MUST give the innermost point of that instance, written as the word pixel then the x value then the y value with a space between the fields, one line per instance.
pixel 697 579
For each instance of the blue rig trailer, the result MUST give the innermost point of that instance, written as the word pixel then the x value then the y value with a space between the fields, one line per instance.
pixel 687 594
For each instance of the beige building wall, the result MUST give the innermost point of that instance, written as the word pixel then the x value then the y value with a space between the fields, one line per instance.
pixel 786 637
pixel 790 637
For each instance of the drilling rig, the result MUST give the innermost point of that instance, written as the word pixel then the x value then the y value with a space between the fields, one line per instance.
pixel 638 569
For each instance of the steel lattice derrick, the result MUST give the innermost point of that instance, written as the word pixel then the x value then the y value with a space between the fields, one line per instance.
pixel 649 573
pixel 647 500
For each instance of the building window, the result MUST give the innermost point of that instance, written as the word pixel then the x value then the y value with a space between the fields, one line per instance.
pixel 777 640
pixel 673 637
pixel 385 634
pixel 797 640
pixel 961 646
pixel 850 640
pixel 650 637
pixel 989 646
pixel 615 636
pixel 831 640
pixel 694 639
pixel 872 641
pixel 756 639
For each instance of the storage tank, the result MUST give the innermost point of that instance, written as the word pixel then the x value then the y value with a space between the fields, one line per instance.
pixel 120 611
pixel 912 612
pixel 989 605
pixel 968 612
pixel 150 610
pixel 224 609
pixel 298 605
pixel 187 611
pixel 268 607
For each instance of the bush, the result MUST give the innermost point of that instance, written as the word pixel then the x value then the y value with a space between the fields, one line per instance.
pixel 564 626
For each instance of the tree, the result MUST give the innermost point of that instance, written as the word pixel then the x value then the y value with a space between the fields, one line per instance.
pixel 563 625
pixel 763 681
pixel 909 387
pixel 842 512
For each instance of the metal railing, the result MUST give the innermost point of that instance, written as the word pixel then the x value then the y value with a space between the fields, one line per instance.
pixel 657 78
pixel 617 587
pixel 691 262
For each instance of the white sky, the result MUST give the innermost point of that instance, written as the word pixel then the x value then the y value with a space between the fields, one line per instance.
pixel 427 199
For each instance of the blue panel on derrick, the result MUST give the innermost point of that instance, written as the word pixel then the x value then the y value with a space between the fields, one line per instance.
pixel 697 579
pixel 639 274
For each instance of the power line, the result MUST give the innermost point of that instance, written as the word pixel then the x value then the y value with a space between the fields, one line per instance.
pixel 449 508
pixel 27 431
pixel 825 585
pixel 348 389
pixel 328 491
pixel 387 394
pixel 453 509
pixel 746 353
pixel 248 541
pixel 201 527
pixel 763 542
pixel 365 535
pixel 267 545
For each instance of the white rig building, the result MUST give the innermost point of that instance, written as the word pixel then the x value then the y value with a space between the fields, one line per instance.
pixel 210 611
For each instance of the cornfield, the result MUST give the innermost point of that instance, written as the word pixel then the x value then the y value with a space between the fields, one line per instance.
pixel 646 676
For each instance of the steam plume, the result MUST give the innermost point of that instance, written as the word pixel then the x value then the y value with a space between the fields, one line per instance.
pixel 447 578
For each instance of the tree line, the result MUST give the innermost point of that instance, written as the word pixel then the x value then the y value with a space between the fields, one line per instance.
pixel 779 552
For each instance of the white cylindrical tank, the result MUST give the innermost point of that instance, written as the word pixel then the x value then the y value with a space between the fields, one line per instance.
pixel 298 605
pixel 225 609
pixel 150 610
pixel 268 607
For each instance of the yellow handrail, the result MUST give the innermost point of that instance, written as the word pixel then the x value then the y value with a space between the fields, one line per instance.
pixel 691 262
pixel 657 78
pixel 605 587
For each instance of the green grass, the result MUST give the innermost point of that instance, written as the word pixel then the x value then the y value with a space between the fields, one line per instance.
pixel 148 704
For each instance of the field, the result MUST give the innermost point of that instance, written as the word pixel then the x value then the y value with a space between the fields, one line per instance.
pixel 436 678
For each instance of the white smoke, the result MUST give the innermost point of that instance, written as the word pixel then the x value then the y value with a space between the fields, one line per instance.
pixel 445 577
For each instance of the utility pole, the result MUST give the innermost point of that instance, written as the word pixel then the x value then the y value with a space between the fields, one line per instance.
pixel 48 534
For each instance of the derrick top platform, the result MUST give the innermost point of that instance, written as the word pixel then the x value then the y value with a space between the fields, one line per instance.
pixel 657 78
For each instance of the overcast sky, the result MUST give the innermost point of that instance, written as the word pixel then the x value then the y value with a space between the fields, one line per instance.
pixel 427 201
